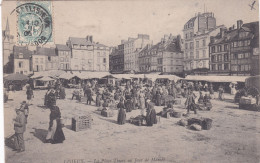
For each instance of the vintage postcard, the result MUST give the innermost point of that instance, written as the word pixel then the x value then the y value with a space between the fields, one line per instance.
pixel 131 81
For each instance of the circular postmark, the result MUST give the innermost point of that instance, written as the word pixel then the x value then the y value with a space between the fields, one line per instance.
pixel 34 24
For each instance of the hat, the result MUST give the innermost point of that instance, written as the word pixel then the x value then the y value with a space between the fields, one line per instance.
pixel 24 102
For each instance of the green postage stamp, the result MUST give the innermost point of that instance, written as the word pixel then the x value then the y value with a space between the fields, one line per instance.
pixel 34 22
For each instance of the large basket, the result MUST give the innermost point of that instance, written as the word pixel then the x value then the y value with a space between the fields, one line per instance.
pixel 81 123
pixel 206 124
pixel 176 114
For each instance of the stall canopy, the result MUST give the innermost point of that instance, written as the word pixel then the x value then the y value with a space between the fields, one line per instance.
pixel 51 73
pixel 45 79
pixel 15 77
pixel 217 78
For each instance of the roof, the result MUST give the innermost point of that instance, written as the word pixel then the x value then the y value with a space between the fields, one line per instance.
pixel 45 51
pixel 18 50
pixel 232 35
pixel 62 47
pixel 79 41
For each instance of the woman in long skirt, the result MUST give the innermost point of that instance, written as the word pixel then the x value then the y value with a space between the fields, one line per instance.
pixel 121 113
pixel 55 132
pixel 151 115
pixel 142 102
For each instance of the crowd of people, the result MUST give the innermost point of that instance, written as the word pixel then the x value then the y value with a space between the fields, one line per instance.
pixel 126 97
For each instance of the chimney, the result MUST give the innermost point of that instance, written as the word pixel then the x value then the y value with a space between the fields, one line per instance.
pixel 239 24
pixel 91 39
pixel 122 41
pixel 233 27
pixel 222 32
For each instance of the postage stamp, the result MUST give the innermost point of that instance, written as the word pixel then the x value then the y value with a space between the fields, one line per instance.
pixel 34 23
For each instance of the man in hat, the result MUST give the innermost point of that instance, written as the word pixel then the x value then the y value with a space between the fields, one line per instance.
pixel 24 106
pixel 19 128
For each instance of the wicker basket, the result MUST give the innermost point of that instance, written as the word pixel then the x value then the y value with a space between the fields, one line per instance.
pixel 206 124
pixel 176 114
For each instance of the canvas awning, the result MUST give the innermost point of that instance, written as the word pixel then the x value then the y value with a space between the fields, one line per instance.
pixel 217 78
pixel 45 79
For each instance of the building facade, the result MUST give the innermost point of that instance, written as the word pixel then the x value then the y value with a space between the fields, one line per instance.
pixel 51 58
pixel 166 56
pixel 87 55
pixel 101 57
pixel 236 51
pixel 131 49
pixel 64 55
pixel 8 43
pixel 38 62
pixel 197 32
pixel 22 58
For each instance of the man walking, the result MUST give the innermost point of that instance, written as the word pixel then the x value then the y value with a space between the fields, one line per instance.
pixel 190 102
pixel 19 128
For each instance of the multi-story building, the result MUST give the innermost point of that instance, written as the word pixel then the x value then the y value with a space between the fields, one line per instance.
pixel 148 58
pixel 197 32
pixel 8 43
pixel 88 55
pixel 166 56
pixel 38 62
pixel 131 47
pixel 22 60
pixel 64 54
pixel 236 51
pixel 172 55
pixel 51 58
pixel 101 57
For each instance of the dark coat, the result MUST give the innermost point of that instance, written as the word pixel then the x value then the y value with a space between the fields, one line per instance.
pixel 151 117
pixel 20 124
pixel 129 105
pixel 121 116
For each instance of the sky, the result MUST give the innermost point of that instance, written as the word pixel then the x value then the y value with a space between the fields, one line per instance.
pixel 110 21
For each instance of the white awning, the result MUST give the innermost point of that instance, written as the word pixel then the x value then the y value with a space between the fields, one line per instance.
pixel 217 78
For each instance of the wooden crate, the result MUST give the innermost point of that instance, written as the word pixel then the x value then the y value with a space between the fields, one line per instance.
pixel 81 123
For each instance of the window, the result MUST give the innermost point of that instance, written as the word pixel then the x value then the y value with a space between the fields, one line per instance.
pixel 20 64
pixel 49 58
pixel 197 54
pixel 204 53
pixel 213 49
pixel 204 63
pixel 61 59
pixel 98 54
pixel 36 60
pixel 235 44
pixel 226 57
pixel 219 48
pixel 191 45
pixel 41 60
pixel 241 55
pixel 213 67
pixel 246 55
pixel 197 44
pixel 186 45
pixel 212 58
pixel 186 35
pixel 225 47
pixel 220 57
pixel 204 42
pixel 246 68
pixel 226 66
pixel 219 66
pixel 191 55
pixel 104 60
pixel 191 34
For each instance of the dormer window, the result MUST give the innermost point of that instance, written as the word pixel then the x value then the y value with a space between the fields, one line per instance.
pixel 20 55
